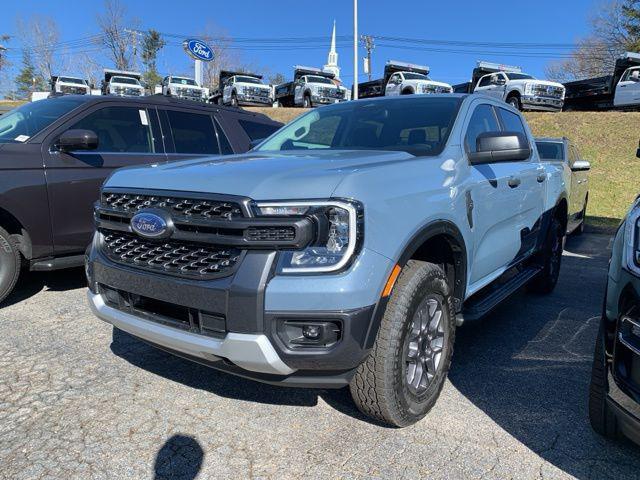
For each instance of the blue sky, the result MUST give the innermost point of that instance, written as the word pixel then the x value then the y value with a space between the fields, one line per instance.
pixel 542 21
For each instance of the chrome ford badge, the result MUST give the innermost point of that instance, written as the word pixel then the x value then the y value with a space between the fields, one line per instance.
pixel 151 225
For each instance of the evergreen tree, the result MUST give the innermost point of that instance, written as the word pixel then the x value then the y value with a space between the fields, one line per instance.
pixel 28 80
pixel 151 44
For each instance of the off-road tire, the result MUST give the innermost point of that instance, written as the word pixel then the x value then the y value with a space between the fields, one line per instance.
pixel 10 264
pixel 602 419
pixel 514 101
pixel 379 387
pixel 306 102
pixel 550 258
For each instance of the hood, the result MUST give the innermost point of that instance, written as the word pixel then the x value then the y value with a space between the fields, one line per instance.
pixel 127 85
pixel 437 84
pixel 191 87
pixel 257 175
pixel 255 85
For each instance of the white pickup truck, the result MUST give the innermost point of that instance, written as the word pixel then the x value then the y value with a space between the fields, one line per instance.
pixel 184 87
pixel 519 89
pixel 401 78
pixel 64 85
pixel 239 88
pixel 122 83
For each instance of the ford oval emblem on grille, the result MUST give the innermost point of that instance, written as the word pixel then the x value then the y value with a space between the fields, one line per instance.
pixel 150 225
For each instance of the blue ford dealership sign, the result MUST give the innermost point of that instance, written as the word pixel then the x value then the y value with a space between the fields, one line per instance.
pixel 198 50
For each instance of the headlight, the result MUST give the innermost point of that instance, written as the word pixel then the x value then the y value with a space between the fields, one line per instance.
pixel 632 239
pixel 339 231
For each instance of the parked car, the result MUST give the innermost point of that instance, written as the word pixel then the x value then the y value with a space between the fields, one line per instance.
pixel 401 78
pixel 278 265
pixel 576 175
pixel 310 87
pixel 183 87
pixel 521 90
pixel 122 83
pixel 55 154
pixel 620 90
pixel 614 394
pixel 237 88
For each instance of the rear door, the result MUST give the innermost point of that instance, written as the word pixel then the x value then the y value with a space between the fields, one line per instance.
pixel 128 135
pixel 628 89
pixel 190 134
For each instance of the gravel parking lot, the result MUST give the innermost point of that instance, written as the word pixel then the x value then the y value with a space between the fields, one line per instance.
pixel 80 400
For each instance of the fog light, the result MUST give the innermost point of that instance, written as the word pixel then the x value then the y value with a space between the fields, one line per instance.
pixel 312 332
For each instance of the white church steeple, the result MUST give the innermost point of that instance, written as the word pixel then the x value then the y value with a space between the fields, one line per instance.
pixel 332 60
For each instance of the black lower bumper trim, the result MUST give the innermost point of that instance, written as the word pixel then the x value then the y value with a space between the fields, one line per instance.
pixel 627 424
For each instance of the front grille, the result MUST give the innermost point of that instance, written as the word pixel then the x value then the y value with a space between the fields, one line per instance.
pixel 179 258
pixel 186 207
pixel 274 234
pixel 550 92
pixel 260 92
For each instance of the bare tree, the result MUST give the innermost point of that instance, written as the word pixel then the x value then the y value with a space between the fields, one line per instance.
pixel 4 62
pixel 614 30
pixel 86 66
pixel 40 35
pixel 224 57
pixel 112 23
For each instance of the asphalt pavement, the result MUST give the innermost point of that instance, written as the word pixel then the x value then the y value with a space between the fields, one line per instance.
pixel 79 400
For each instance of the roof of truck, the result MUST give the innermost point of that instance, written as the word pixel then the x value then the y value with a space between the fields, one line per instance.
pixel 157 99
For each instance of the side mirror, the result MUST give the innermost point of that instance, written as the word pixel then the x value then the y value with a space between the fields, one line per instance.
pixel 501 81
pixel 77 139
pixel 492 147
pixel 581 166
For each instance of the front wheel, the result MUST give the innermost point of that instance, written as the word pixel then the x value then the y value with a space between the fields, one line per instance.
pixel 234 100
pixel 601 417
pixel 514 101
pixel 306 103
pixel 402 377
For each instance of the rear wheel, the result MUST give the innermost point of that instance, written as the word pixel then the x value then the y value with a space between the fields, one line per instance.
pixel 402 377
pixel 10 263
pixel 551 259
pixel 602 419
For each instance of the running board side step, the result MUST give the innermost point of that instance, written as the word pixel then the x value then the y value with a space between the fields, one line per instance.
pixel 481 304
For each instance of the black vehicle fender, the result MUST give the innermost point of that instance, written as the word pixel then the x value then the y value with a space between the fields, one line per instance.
pixel 17 231
pixel 439 230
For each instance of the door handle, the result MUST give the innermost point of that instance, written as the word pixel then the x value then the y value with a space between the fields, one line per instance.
pixel 542 177
pixel 514 182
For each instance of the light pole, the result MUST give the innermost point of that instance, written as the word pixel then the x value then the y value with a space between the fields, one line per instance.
pixel 355 49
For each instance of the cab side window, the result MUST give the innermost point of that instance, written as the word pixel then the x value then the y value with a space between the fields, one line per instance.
pixel 483 120
pixel 485 81
pixel 120 129
pixel 193 133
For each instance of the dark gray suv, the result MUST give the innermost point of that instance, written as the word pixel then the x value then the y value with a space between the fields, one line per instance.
pixel 55 154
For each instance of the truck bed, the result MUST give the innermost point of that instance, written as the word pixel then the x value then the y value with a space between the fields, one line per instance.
pixel 590 94
pixel 374 88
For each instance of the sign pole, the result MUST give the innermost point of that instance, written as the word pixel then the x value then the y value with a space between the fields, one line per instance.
pixel 355 49
pixel 198 72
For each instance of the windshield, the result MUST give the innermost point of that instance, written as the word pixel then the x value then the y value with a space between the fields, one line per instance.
pixel 419 126
pixel 126 80
pixel 550 150
pixel 183 81
pixel 414 76
pixel 314 79
pixel 24 122
pixel 77 81
pixel 519 76
pixel 248 80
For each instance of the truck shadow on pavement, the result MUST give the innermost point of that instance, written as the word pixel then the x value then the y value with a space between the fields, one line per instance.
pixel 527 366
pixel 30 283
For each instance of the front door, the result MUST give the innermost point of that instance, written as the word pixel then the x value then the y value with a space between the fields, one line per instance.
pixel 393 85
pixel 628 89
pixel 127 136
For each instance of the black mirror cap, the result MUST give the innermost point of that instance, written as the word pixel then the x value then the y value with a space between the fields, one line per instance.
pixel 78 139
pixel 494 147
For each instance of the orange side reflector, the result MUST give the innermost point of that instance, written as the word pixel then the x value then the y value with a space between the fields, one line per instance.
pixel 392 281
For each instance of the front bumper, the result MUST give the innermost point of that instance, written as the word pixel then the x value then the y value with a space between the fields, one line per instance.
pixel 254 100
pixel 252 307
pixel 546 104
pixel 316 99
